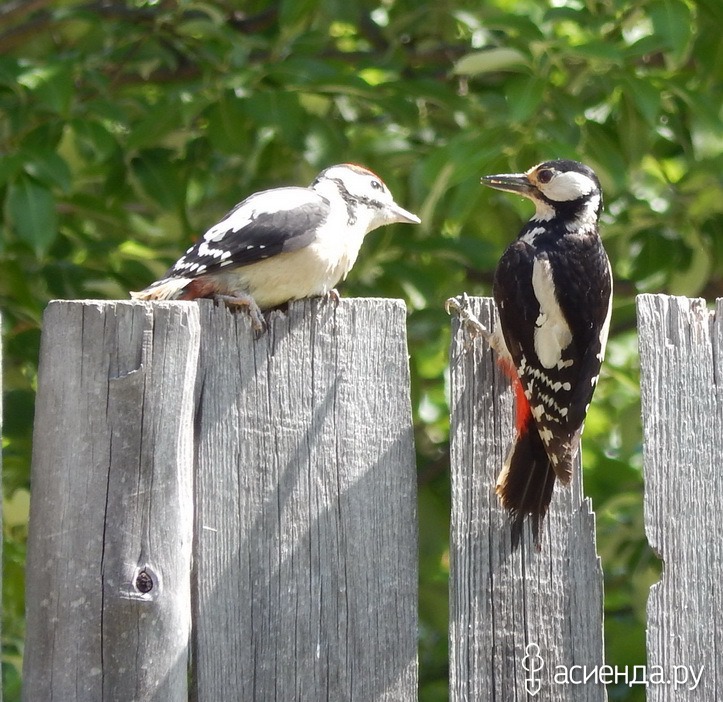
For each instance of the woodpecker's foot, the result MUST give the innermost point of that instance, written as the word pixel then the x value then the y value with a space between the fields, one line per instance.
pixel 245 300
pixel 331 296
pixel 460 306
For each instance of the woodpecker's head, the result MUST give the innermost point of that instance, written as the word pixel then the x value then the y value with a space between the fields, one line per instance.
pixel 367 199
pixel 563 189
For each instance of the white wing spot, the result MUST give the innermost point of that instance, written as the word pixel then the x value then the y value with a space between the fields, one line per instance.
pixel 554 407
pixel 546 435
pixel 205 250
pixel 553 336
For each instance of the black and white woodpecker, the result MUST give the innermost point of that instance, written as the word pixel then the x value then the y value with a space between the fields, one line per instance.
pixel 553 292
pixel 283 244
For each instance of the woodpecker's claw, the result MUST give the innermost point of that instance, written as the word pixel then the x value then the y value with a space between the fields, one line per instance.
pixel 245 300
pixel 333 296
pixel 460 306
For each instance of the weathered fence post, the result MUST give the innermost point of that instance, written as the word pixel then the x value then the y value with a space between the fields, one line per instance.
pixel 305 574
pixel 681 368
pixel 263 487
pixel 516 619
pixel 111 518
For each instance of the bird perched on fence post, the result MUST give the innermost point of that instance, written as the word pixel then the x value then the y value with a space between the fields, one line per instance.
pixel 553 291
pixel 283 244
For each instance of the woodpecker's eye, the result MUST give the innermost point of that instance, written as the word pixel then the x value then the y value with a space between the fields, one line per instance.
pixel 376 185
pixel 544 176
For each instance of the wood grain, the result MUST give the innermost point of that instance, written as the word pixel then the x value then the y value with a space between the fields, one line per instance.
pixel 681 369
pixel 501 601
pixel 109 547
pixel 305 579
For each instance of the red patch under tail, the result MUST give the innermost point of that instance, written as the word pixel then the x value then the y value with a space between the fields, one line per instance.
pixel 198 287
pixel 526 483
pixel 523 413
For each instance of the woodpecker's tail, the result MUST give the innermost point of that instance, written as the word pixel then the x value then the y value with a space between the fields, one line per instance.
pixel 167 289
pixel 526 482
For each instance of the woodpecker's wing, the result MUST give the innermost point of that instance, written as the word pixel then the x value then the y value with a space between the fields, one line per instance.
pixel 557 360
pixel 587 308
pixel 263 225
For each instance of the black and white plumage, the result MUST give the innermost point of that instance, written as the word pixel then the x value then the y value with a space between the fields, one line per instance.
pixel 283 244
pixel 553 291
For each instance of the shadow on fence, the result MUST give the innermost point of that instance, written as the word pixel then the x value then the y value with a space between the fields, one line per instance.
pixel 218 517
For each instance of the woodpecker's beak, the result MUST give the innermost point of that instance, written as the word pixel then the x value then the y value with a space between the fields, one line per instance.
pixel 511 183
pixel 399 214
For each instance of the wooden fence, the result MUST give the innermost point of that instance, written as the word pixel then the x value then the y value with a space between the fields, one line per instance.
pixel 681 364
pixel 220 517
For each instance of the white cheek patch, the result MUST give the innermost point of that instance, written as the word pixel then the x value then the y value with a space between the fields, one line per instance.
pixel 552 332
pixel 568 186
pixel 356 181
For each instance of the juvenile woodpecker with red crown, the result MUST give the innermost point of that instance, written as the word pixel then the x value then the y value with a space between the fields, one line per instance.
pixel 283 244
pixel 553 291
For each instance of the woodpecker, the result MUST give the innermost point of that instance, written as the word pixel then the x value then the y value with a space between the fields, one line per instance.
pixel 283 244
pixel 553 292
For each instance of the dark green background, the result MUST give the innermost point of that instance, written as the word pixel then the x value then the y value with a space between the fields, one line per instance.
pixel 126 129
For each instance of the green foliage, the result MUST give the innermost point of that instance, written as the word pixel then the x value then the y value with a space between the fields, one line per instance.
pixel 127 128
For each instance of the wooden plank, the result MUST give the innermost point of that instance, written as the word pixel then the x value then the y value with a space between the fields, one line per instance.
pixel 681 369
pixel 504 605
pixel 111 521
pixel 306 566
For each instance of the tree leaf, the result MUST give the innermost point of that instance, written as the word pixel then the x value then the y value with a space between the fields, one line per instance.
pixel 646 96
pixel 279 109
pixel 31 208
pixel 524 94
pixel 49 168
pixel 672 20
pixel 93 140
pixel 294 14
pixel 158 178
pixel 228 127
pixel 489 61
pixel 51 85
